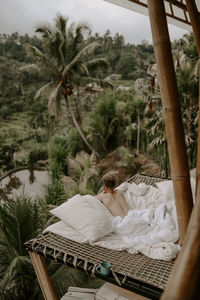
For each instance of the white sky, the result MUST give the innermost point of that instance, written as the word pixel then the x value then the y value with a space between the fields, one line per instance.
pixel 23 15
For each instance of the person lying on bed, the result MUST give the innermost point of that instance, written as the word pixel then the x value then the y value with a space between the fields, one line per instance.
pixel 113 199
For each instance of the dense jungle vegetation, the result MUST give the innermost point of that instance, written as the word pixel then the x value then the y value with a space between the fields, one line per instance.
pixel 68 100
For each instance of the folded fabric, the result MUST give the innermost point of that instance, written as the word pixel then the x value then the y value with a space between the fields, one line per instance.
pixel 87 215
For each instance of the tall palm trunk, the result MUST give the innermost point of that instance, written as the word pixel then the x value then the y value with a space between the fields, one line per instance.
pixel 138 134
pixel 165 159
pixel 77 125
pixel 78 111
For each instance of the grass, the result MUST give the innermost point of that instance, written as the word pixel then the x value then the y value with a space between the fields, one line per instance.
pixel 117 83
pixel 18 123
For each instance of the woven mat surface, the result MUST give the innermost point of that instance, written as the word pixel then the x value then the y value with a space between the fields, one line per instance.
pixel 139 267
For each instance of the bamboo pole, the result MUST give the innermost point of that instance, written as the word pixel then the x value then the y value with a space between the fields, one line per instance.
pixel 195 21
pixel 184 281
pixel 198 146
pixel 42 276
pixel 172 113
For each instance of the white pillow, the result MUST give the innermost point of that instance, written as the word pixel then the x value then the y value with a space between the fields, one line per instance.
pixel 87 215
pixel 166 187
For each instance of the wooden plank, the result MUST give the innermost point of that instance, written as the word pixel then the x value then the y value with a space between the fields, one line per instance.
pixel 67 297
pixel 82 290
pixel 76 293
pixel 112 292
pixel 79 296
pixel 42 276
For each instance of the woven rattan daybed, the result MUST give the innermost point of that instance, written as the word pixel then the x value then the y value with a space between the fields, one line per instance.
pixel 138 273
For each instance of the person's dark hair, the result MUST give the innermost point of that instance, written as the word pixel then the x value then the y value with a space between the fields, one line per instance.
pixel 109 181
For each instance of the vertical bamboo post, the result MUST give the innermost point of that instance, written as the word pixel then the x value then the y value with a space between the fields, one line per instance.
pixel 183 283
pixel 42 276
pixel 195 21
pixel 172 114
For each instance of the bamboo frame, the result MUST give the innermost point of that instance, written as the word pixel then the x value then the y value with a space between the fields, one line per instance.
pixel 172 114
pixel 42 276
pixel 184 280
pixel 172 3
pixel 195 21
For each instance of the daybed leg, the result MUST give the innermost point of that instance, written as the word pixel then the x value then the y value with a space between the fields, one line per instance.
pixel 42 276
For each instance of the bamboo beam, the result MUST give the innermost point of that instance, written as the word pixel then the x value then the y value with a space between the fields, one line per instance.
pixel 172 15
pixel 174 2
pixel 42 276
pixel 195 21
pixel 172 113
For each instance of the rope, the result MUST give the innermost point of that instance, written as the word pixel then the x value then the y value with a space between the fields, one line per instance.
pixel 115 276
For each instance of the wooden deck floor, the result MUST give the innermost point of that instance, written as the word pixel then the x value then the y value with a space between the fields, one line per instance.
pixel 107 292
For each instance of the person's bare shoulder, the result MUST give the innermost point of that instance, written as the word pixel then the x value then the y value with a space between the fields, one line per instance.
pixel 105 198
pixel 118 192
pixel 100 196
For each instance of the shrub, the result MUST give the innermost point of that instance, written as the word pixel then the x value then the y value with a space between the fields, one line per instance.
pixel 75 143
pixel 57 155
pixel 54 193
pixel 37 154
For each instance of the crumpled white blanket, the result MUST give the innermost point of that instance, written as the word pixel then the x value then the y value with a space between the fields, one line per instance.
pixel 141 196
pixel 152 231
pixel 148 226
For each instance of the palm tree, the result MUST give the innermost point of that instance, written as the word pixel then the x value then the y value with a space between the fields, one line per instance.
pixel 18 223
pixel 20 220
pixel 63 62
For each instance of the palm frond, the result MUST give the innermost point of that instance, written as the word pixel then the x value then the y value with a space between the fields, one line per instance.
pixel 41 59
pixel 98 64
pixel 81 30
pixel 86 50
pixel 61 23
pixel 31 69
pixel 44 29
pixel 18 263
pixel 43 90
pixel 68 182
pixel 54 102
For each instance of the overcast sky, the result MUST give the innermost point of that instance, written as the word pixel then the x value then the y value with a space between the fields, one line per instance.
pixel 23 15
